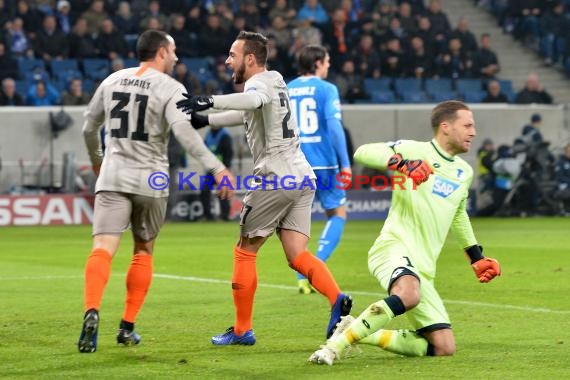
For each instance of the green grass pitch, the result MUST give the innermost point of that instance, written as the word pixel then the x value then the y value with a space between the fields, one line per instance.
pixel 516 327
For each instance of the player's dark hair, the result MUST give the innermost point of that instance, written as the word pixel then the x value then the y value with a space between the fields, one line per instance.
pixel 446 111
pixel 256 44
pixel 148 44
pixel 308 58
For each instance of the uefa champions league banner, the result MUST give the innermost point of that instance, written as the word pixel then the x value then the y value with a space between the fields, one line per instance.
pixel 360 205
pixel 32 210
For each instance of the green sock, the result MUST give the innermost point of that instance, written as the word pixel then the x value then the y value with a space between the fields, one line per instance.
pixel 402 342
pixel 372 319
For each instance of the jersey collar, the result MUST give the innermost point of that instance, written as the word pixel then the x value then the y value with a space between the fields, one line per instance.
pixel 441 152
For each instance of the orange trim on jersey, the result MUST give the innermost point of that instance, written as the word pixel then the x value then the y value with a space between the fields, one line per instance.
pixel 140 71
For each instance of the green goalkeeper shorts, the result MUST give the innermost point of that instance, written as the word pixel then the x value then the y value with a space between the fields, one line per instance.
pixel 385 261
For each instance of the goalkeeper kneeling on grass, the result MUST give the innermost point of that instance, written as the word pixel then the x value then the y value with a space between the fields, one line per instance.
pixel 403 258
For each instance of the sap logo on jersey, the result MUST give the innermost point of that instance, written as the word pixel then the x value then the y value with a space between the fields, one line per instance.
pixel 443 187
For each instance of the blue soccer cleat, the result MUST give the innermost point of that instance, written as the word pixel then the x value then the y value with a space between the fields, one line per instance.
pixel 230 337
pixel 88 338
pixel 341 307
pixel 128 338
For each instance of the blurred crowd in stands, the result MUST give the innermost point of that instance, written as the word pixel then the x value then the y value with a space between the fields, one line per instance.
pixel 543 25
pixel 382 51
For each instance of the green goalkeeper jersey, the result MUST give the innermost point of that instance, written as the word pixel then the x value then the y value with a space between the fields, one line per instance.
pixel 421 216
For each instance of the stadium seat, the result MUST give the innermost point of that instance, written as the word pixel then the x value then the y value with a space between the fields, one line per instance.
pixel 442 95
pixel 407 85
pixel 88 86
pixel 63 65
pixel 196 64
pixel 96 68
pixel 28 65
pixel 414 97
pixel 438 85
pixel 380 84
pixel 65 70
pixel 382 96
pixel 130 62
pixel 21 87
pixel 506 85
pixel 465 85
pixel 474 96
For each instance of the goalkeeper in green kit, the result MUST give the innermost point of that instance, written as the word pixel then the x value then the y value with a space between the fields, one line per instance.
pixel 403 258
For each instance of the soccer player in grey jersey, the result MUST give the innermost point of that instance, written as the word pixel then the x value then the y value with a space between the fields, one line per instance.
pixel 271 132
pixel 138 108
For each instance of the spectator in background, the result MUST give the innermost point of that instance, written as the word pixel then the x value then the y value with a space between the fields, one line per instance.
pixel 531 132
pixel 453 63
pixel 562 173
pixel 81 44
pixel 75 96
pixel 281 9
pixel 8 95
pixel 392 61
pixel 281 32
pixel 552 27
pixel 485 60
pixel 153 11
pixel 420 62
pixel 42 94
pixel 304 34
pixel 277 58
pixel 467 38
pixel 8 65
pixel 313 11
pixel 366 58
pixel 95 16
pixel 125 21
pixel 533 92
pixel 184 44
pixel 31 18
pixel 17 40
pixel 494 94
pixel 51 43
pixel 439 22
pixel 427 34
pixel 213 38
pixel 188 80
pixel 407 19
pixel 250 12
pixel 485 159
pixel 350 84
pixel 337 36
pixel 110 42
pixel 63 16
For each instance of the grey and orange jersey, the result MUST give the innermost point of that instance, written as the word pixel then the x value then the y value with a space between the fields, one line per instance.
pixel 272 132
pixel 137 106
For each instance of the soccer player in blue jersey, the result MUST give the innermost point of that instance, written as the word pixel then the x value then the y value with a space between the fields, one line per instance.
pixel 316 106
pixel 403 258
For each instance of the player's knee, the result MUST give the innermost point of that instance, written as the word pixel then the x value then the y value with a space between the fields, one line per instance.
pixel 445 349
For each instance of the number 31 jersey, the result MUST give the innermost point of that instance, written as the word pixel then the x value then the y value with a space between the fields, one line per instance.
pixel 137 107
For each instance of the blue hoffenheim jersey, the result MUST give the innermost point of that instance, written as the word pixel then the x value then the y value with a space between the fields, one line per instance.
pixel 316 106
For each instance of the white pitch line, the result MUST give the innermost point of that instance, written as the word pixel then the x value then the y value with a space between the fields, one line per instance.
pixel 288 287
pixel 364 293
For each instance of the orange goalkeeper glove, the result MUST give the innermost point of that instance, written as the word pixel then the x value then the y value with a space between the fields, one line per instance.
pixel 418 170
pixel 485 268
